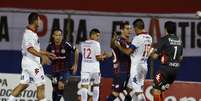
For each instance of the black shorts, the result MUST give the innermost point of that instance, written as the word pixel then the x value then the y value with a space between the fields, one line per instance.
pixel 55 78
pixel 119 82
pixel 164 77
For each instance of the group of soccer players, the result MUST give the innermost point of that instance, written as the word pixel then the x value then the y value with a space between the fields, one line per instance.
pixel 129 62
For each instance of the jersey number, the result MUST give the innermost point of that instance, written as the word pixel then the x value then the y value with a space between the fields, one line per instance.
pixel 175 52
pixel 87 53
pixel 146 50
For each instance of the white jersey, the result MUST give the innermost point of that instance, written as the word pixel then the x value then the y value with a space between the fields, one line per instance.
pixel 142 44
pixel 89 50
pixel 30 39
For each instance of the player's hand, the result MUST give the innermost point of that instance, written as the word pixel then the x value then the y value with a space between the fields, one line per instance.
pixel 74 69
pixel 60 85
pixel 45 60
pixel 51 55
pixel 107 54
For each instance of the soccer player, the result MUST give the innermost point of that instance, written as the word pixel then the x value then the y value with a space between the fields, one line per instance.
pixel 65 62
pixel 139 52
pixel 90 66
pixel 31 65
pixel 169 51
pixel 121 64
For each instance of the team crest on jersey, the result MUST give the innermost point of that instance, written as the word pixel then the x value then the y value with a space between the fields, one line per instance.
pixel 63 51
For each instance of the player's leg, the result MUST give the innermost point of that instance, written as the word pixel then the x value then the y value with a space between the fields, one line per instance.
pixel 40 92
pixel 25 78
pixel 96 78
pixel 61 78
pixel 137 92
pixel 115 88
pixel 159 83
pixel 39 78
pixel 124 95
pixel 85 80
pixel 55 93
pixel 137 82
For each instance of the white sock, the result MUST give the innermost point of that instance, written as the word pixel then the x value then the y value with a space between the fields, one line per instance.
pixel 141 97
pixel 84 94
pixel 43 99
pixel 96 93
pixel 11 98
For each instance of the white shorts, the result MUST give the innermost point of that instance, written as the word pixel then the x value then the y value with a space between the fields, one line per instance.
pixel 32 73
pixel 88 78
pixel 137 77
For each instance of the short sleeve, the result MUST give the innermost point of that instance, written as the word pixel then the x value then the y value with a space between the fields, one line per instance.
pixel 135 43
pixel 69 46
pixel 97 49
pixel 29 40
pixel 160 45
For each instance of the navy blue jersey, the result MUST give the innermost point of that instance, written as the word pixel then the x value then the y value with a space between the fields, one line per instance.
pixel 64 56
pixel 121 61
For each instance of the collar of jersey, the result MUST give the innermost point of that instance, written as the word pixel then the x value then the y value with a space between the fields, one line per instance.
pixel 31 29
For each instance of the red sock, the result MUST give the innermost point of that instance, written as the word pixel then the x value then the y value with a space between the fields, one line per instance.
pixel 162 97
pixel 157 97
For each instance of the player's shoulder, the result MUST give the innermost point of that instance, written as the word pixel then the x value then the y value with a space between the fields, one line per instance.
pixel 96 43
pixel 92 42
pixel 28 32
pixel 66 44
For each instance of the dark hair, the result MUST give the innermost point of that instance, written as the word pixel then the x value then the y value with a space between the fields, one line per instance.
pixel 123 24
pixel 170 27
pixel 32 17
pixel 138 23
pixel 56 29
pixel 94 31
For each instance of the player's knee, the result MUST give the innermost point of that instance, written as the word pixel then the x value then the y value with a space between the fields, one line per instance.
pixel 85 86
pixel 40 92
pixel 96 89
pixel 128 89
pixel 41 87
pixel 23 86
pixel 141 97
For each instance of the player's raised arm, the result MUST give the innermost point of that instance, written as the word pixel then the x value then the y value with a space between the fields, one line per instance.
pixel 127 51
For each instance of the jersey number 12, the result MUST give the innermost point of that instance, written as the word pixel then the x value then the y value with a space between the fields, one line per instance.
pixel 87 53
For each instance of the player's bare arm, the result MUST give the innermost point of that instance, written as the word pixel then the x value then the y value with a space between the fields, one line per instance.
pixel 45 59
pixel 127 51
pixel 100 57
pixel 103 56
pixel 74 67
pixel 50 55
pixel 152 54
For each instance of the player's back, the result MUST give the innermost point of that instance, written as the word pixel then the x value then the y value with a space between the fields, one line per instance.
pixel 171 48
pixel 143 44
pixel 89 50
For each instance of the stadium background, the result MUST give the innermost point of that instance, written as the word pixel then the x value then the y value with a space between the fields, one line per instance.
pixel 77 17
